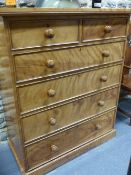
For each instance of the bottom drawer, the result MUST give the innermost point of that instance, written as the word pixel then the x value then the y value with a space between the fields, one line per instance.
pixel 54 146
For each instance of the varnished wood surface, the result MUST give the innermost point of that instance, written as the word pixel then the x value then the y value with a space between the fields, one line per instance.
pixel 37 95
pixel 56 11
pixel 29 66
pixel 97 28
pixel 47 122
pixel 45 88
pixel 7 93
pixel 35 33
pixel 68 140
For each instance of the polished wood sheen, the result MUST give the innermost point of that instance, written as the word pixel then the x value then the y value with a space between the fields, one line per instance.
pixel 103 28
pixel 47 122
pixel 65 141
pixel 45 93
pixel 60 74
pixel 41 33
pixel 29 66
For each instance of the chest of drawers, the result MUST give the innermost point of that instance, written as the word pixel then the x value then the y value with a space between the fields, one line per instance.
pixel 60 73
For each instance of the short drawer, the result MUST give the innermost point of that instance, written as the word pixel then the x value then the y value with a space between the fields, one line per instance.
pixel 29 66
pixel 49 32
pixel 62 142
pixel 50 92
pixel 103 28
pixel 58 118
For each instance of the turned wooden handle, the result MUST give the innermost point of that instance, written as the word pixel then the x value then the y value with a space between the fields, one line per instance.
pixel 49 33
pixel 103 78
pixel 54 148
pixel 52 121
pixel 108 29
pixel 101 103
pixel 105 53
pixel 51 92
pixel 50 63
pixel 98 126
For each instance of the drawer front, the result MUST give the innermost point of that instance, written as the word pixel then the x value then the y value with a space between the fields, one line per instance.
pixel 58 144
pixel 31 33
pixel 52 120
pixel 42 64
pixel 103 28
pixel 45 93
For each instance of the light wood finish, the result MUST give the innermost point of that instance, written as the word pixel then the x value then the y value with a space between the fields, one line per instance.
pixel 103 28
pixel 47 122
pixel 65 141
pixel 43 33
pixel 29 66
pixel 7 94
pixel 39 95
pixel 60 76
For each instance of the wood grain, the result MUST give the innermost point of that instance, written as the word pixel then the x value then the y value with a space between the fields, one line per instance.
pixel 95 28
pixel 48 122
pixel 34 96
pixel 29 66
pixel 68 140
pixel 7 93
pixel 33 33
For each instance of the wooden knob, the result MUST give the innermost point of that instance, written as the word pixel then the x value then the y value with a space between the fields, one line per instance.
pixel 101 103
pixel 98 126
pixel 108 29
pixel 105 53
pixel 50 63
pixel 51 92
pixel 103 78
pixel 52 121
pixel 54 148
pixel 49 33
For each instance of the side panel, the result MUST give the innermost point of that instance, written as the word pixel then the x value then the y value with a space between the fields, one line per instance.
pixel 7 93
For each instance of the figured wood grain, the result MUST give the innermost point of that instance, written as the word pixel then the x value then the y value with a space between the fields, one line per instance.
pixel 7 94
pixel 68 140
pixel 95 28
pixel 41 125
pixel 33 33
pixel 29 66
pixel 37 95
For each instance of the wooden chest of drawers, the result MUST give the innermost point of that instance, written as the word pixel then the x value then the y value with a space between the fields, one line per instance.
pixel 60 73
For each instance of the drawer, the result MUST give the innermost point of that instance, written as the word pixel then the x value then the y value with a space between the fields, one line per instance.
pixel 50 92
pixel 45 64
pixel 57 118
pixel 49 32
pixel 62 142
pixel 103 28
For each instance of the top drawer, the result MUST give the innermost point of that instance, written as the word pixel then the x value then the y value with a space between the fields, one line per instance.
pixel 49 32
pixel 103 28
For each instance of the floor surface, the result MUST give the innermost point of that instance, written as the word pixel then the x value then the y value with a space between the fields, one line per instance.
pixel 111 158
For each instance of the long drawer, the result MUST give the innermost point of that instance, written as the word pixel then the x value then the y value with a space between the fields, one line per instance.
pixel 45 93
pixel 57 118
pixel 63 142
pixel 26 34
pixel 94 29
pixel 29 66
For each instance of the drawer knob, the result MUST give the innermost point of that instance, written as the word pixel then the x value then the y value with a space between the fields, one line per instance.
pixel 51 92
pixel 54 148
pixel 103 78
pixel 98 126
pixel 108 29
pixel 52 121
pixel 50 63
pixel 105 53
pixel 101 103
pixel 49 33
